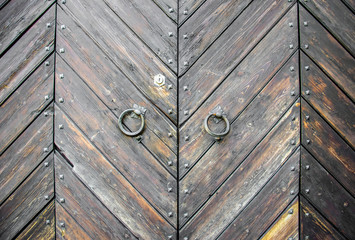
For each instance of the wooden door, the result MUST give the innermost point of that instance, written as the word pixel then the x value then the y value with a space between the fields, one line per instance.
pixel 280 73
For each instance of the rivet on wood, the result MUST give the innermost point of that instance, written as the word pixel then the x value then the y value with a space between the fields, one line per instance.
pixel 185 12
pixel 290 238
pixel 139 138
pixel 293 142
pixel 292 93
pixel 170 86
pixel 170 134
pixel 62 200
pixel 308 141
pixel 170 189
pixel 307 92
pixel 61 100
pixel 293 168
pixel 290 24
pixel 186 112
pixel 187 138
pixel 61 126
pixel 46 97
pixel 292 68
pixel 61 176
pixel 305 23
pixel 293 118
pixel 307 190
pixel 289 0
pixel 171 10
pixel 48 222
pixel 185 36
pixel 170 237
pixel 62 26
pixel 61 50
pixel 307 117
pixel 47 49
pixel 61 76
pixel 45 114
pixel 186 238
pixel 292 192
pixel 186 63
pixel 290 211
pixel 170 34
pixel 291 46
pixel 46 197
pixel 46 63
pixel 49 25
pixel 186 191
pixel 307 214
pixel 45 149
pixel 64 1
pixel 185 88
pixel 62 224
pixel 170 163
pixel 307 68
pixel 306 46
pixel 46 164
pixel 307 167
pixel 186 215
pixel 170 214
pixel 306 237
pixel 170 61
pixel 186 165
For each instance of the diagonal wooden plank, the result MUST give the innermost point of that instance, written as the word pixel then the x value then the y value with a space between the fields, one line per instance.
pixel 328 147
pixel 22 157
pixel 267 205
pixel 26 55
pixel 340 25
pixel 169 7
pixel 107 183
pixel 84 207
pixel 187 8
pixel 286 226
pixel 128 52
pixel 230 49
pixel 156 29
pixel 16 17
pixel 204 27
pixel 252 75
pixel 71 230
pixel 328 99
pixel 129 156
pixel 327 195
pixel 314 225
pixel 241 187
pixel 351 4
pixel 25 105
pixel 324 49
pixel 42 227
pixel 28 200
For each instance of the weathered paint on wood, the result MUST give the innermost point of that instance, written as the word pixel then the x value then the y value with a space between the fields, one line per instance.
pixel 28 200
pixel 286 226
pixel 324 49
pixel 327 195
pixel 26 54
pixel 33 145
pixel 314 225
pixel 328 147
pixel 169 7
pixel 42 227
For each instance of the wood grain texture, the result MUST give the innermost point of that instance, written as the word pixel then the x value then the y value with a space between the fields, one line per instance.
pixel 25 104
pixel 39 229
pixel 27 201
pixel 109 185
pixel 351 4
pixel 22 157
pixel 16 17
pixel 205 26
pixel 151 24
pixel 327 195
pixel 324 49
pixel 84 207
pixel 241 187
pixel 26 54
pixel 328 147
pixel 314 225
pixel 328 100
pixel 188 7
pixel 72 229
pixel 230 49
pixel 129 156
pixel 267 205
pixel 235 94
pixel 169 7
pixel 246 131
pixel 123 47
pixel 337 18
pixel 286 226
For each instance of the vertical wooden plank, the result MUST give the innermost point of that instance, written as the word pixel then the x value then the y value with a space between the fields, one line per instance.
pixel 42 227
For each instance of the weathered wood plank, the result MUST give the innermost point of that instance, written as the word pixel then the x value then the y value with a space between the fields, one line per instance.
pixel 27 200
pixel 129 156
pixel 22 157
pixel 25 105
pixel 84 207
pixel 151 24
pixel 128 52
pixel 188 7
pixel 252 75
pixel 328 99
pixel 328 147
pixel 16 17
pixel 39 228
pixel 108 184
pixel 169 7
pixel 244 183
pixel 71 230
pixel 351 4
pixel 286 226
pixel 235 43
pixel 337 18
pixel 324 49
pixel 204 27
pixel 26 54
pixel 327 195
pixel 314 225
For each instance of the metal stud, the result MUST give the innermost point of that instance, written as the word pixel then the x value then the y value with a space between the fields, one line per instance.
pixel 308 141
pixel 45 150
pixel 64 1
pixel 170 34
pixel 292 192
pixel 307 214
pixel 290 238
pixel 291 46
pixel 61 76
pixel 61 126
pixel 187 138
pixel 290 24
pixel 48 222
pixel 46 97
pixel 45 114
pixel 171 10
pixel 62 26
pixel 62 200
pixel 170 111
pixel 61 100
pixel 186 63
pixel 186 112
pixel 47 49
pixel 139 138
pixel 46 164
pixel 293 118
pixel 185 12
pixel 307 92
pixel 186 215
pixel 305 23
pixel 307 167
pixel 186 238
pixel 170 86
pixel 290 211
pixel 170 163
pixel 61 176
pixel 170 214
pixel 186 165
pixel 170 134
pixel 46 197
pixel 306 46
pixel 170 237
pixel 292 68
pixel 186 88
pixel 46 63
pixel 49 25
pixel 306 237
pixel 307 68
pixel 186 191
pixel 307 190
pixel 292 93
pixel 289 0
pixel 170 61
pixel 62 224
pixel 185 36
pixel 293 142
pixel 307 117
pixel 293 168
pixel 170 189
pixel 61 50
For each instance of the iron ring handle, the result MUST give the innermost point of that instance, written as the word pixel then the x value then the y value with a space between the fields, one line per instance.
pixel 120 124
pixel 217 136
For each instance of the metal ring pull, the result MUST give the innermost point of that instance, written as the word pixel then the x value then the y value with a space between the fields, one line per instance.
pixel 219 115
pixel 135 112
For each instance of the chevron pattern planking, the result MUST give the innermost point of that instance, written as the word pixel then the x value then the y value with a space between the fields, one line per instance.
pixel 282 71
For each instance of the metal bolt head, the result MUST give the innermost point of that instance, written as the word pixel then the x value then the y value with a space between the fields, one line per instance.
pixel 46 97
pixel 170 111
pixel 293 168
pixel 62 224
pixel 292 192
pixel 61 126
pixel 170 86
pixel 293 142
pixel 186 63
pixel 306 237
pixel 170 214
pixel 62 26
pixel 170 163
pixel 46 164
pixel 61 176
pixel 308 141
pixel 186 88
pixel 48 222
pixel 47 49
pixel 292 68
pixel 290 24
pixel 307 117
pixel 307 68
pixel 186 191
pixel 307 214
pixel 49 25
pixel 307 92
pixel 170 34
pixel 306 190
pixel 170 237
pixel 46 197
pixel 61 76
pixel 45 114
pixel 170 134
pixel 186 238
pixel 291 46
pixel 170 189
pixel 171 10
pixel 62 200
pixel 64 1
pixel 45 150
pixel 307 167
pixel 187 138
pixel 306 46
pixel 61 50
pixel 293 93
pixel 186 215
pixel 170 61
pixel 61 100
pixel 185 12
pixel 293 118
pixel 186 165
pixel 185 36
pixel 305 24
pixel 186 112
pixel 159 80
pixel 46 63
pixel 290 211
